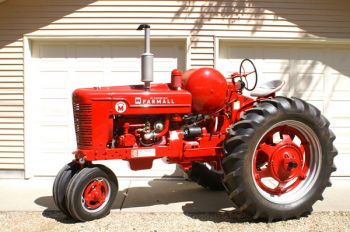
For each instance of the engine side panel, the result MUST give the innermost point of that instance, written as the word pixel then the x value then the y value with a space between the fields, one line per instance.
pixel 131 100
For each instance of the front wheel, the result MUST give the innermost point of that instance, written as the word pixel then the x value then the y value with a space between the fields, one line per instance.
pixel 279 158
pixel 60 185
pixel 91 193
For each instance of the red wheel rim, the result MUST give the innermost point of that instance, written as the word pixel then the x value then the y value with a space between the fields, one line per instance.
pixel 96 194
pixel 283 158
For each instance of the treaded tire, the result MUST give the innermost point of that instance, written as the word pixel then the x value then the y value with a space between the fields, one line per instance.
pixel 60 185
pixel 239 149
pixel 76 201
pixel 205 177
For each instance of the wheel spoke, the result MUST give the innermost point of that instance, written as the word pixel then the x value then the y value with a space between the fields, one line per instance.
pixel 267 149
pixel 250 73
pixel 302 176
pixel 242 70
pixel 287 138
pixel 88 197
pixel 263 173
pixel 280 188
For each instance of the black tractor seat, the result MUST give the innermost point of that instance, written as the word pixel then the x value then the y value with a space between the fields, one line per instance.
pixel 267 88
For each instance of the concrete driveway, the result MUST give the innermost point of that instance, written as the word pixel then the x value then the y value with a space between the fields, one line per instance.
pixel 161 205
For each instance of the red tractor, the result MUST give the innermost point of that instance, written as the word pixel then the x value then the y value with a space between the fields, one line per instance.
pixel 273 155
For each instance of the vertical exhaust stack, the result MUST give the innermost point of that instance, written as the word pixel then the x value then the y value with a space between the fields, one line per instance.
pixel 146 58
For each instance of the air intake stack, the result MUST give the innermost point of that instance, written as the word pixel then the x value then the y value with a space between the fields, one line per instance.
pixel 146 58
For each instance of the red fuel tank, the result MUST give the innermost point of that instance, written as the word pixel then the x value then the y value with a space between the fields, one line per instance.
pixel 208 88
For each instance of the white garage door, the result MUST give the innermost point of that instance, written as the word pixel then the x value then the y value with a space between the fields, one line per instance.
pixel 315 73
pixel 55 69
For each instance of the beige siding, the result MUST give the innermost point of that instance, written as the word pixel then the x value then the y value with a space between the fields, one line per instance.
pixel 11 104
pixel 199 20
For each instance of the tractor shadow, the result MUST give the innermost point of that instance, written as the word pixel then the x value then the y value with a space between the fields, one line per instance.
pixel 163 195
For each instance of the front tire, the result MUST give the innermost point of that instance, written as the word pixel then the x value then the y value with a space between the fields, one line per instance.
pixel 60 185
pixel 279 158
pixel 91 193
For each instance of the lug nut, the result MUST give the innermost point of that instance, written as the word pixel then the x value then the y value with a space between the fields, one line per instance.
pixel 292 165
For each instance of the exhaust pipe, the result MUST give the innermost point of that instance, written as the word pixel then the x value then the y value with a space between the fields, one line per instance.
pixel 146 58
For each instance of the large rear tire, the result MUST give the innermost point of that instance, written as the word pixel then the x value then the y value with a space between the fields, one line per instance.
pixel 206 177
pixel 278 159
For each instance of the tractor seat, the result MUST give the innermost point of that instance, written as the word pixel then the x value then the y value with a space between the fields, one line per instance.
pixel 267 88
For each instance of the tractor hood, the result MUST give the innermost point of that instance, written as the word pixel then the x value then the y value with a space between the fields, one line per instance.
pixel 160 99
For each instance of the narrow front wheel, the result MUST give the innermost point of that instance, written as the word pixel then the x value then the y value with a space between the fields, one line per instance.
pixel 60 185
pixel 91 193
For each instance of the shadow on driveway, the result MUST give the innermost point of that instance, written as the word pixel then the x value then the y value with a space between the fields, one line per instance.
pixel 171 196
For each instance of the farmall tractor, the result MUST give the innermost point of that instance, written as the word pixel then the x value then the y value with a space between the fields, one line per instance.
pixel 273 155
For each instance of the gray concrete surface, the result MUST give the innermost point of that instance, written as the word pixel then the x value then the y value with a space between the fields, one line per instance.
pixel 151 195
pixel 161 205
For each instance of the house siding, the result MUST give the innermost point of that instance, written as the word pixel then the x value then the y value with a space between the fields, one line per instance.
pixel 200 21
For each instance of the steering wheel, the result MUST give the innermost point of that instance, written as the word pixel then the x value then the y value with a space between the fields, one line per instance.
pixel 247 68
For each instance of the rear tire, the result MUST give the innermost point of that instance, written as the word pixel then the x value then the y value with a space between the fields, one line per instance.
pixel 299 161
pixel 60 185
pixel 91 193
pixel 206 177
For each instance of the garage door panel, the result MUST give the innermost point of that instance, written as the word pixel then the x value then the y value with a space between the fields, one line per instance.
pixel 339 113
pixel 236 53
pixel 309 67
pixel 125 52
pixel 86 66
pixel 275 55
pixel 269 76
pixel 163 52
pixel 89 53
pixel 162 77
pixel 48 159
pixel 58 65
pixel 274 66
pixel 342 162
pixel 124 78
pixel 308 54
pixel 342 58
pixel 54 93
pixel 85 79
pixel 338 84
pixel 162 67
pixel 52 53
pixel 126 64
pixel 164 64
pixel 50 108
pixel 54 134
pixel 55 79
pixel 310 85
pixel 342 140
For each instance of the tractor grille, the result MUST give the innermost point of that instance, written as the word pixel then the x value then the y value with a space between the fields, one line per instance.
pixel 83 124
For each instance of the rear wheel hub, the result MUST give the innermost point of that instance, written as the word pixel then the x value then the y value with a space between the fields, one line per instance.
pixel 281 160
pixel 286 161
